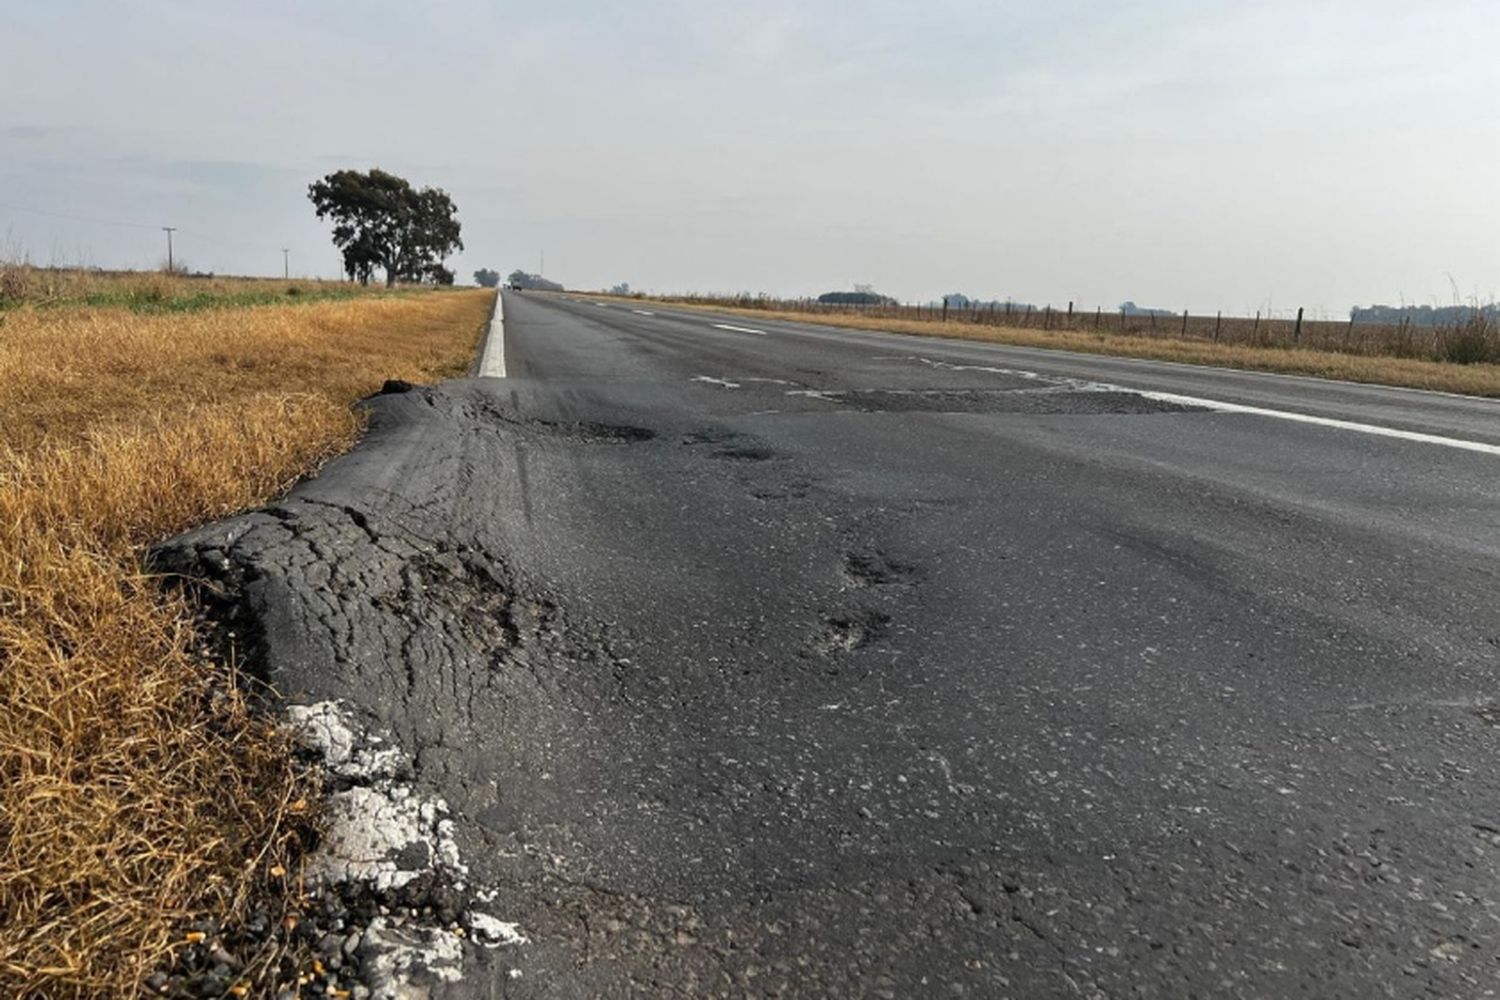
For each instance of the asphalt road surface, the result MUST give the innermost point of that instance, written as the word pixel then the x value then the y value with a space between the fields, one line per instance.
pixel 854 664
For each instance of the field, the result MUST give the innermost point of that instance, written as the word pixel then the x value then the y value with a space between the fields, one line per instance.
pixel 1463 358
pixel 139 790
pixel 156 292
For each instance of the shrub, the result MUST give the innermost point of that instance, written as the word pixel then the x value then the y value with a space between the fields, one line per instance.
pixel 1473 340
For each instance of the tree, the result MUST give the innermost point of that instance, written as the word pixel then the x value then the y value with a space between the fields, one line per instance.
pixel 485 278
pixel 380 220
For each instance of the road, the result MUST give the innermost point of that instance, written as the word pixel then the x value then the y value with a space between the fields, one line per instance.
pixel 861 664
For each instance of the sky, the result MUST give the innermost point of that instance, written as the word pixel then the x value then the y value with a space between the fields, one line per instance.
pixel 1183 154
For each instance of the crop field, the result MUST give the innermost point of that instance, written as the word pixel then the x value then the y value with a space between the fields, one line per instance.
pixel 1463 357
pixel 139 790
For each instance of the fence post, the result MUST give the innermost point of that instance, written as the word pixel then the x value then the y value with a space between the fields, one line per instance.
pixel 1297 331
pixel 945 308
pixel 1027 322
pixel 1070 312
pixel 1218 322
pixel 1184 322
pixel 1255 330
pixel 1098 315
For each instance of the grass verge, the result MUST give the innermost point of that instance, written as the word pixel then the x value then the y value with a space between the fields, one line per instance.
pixel 1470 379
pixel 24 285
pixel 138 790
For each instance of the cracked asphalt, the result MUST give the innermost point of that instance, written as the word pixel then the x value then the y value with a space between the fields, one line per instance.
pixel 821 663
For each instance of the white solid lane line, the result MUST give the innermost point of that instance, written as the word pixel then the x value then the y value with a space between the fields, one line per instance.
pixel 1304 418
pixel 642 312
pixel 739 329
pixel 492 359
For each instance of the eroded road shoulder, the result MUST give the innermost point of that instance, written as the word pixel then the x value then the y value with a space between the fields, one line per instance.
pixel 418 665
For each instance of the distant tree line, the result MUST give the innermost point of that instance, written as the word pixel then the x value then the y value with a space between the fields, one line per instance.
pixel 485 278
pixel 1447 316
pixel 532 282
pixel 860 298
pixel 1131 309
pixel 958 300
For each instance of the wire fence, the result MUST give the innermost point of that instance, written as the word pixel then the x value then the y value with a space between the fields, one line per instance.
pixel 1472 338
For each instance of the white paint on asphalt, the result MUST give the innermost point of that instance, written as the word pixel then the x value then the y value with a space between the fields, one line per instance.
pixel 489 930
pixel 739 329
pixel 1220 406
pixel 492 358
pixel 401 958
pixel 373 825
pixel 642 312
pixel 383 834
pixel 716 381
pixel 1305 418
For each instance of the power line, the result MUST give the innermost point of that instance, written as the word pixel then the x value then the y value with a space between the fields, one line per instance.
pixel 71 217
pixel 75 218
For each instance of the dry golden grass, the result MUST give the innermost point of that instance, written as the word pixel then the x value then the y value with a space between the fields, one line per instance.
pixel 137 790
pixel 1472 379
pixel 155 291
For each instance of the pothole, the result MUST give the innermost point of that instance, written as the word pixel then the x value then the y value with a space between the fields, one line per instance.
pixel 876 569
pixel 573 430
pixel 745 453
pixel 584 430
pixel 844 633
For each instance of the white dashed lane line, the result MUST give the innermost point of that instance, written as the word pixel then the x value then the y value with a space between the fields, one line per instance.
pixel 739 329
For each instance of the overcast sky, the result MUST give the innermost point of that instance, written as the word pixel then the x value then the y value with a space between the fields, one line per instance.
pixel 1180 153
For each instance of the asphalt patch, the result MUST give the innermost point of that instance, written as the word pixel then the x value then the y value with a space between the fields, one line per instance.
pixel 1002 401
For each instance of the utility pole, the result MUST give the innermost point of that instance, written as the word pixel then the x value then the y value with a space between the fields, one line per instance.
pixel 169 230
pixel 286 265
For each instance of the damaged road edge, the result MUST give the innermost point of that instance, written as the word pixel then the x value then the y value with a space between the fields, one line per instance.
pixel 375 599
